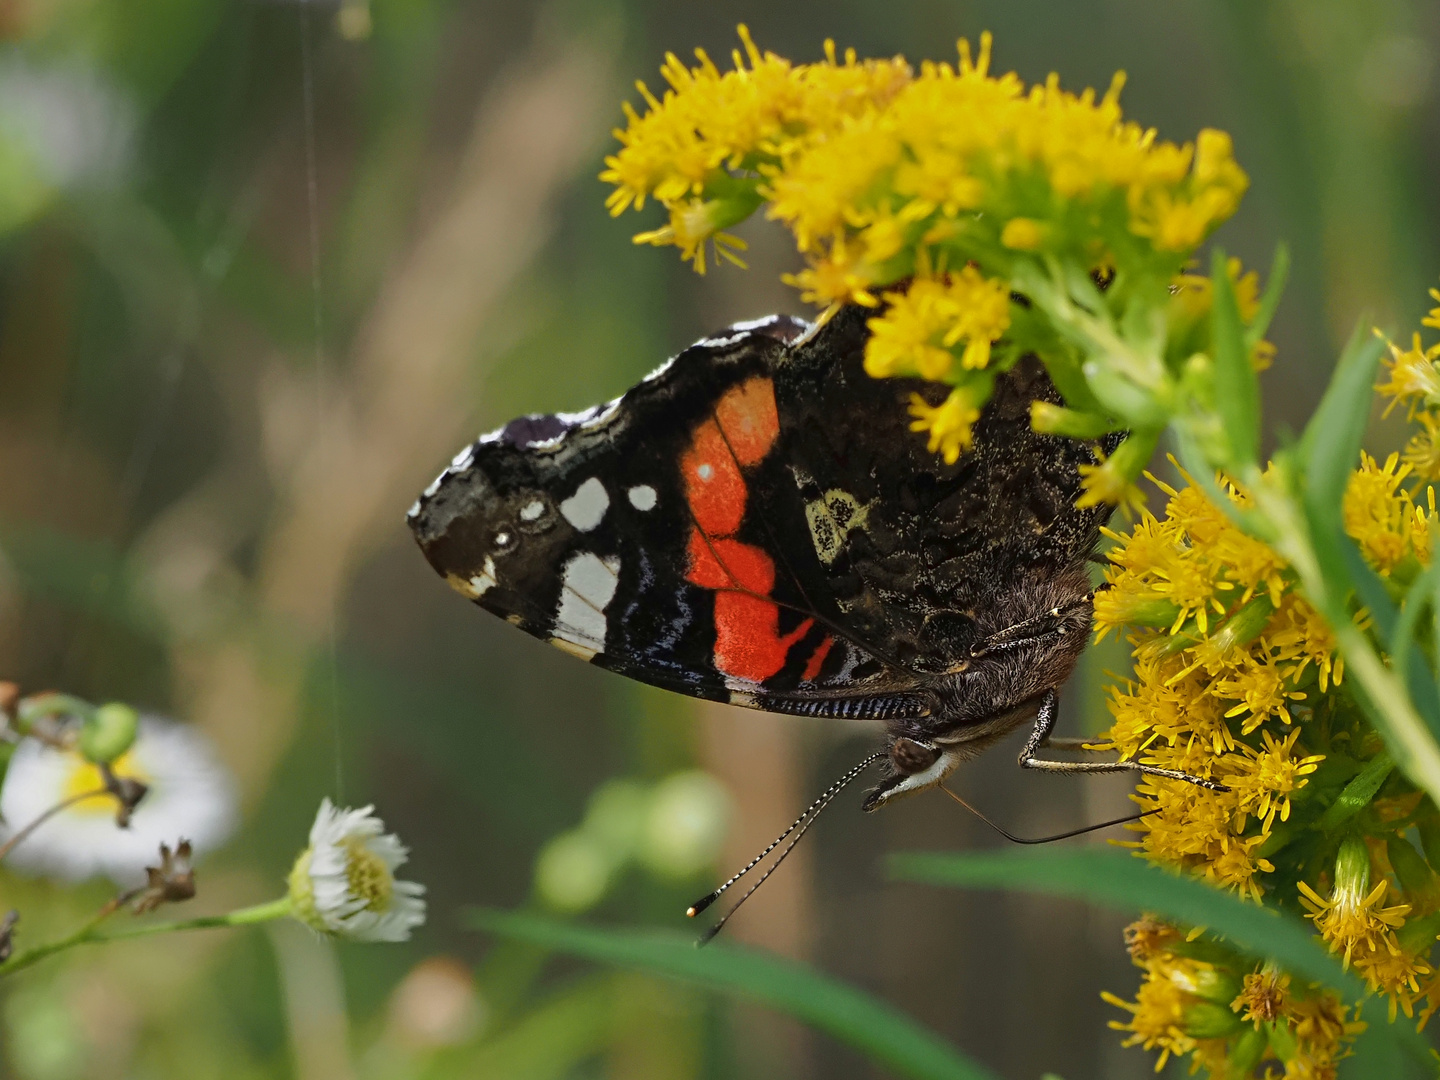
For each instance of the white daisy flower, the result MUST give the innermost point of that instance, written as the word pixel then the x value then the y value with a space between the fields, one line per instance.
pixel 189 795
pixel 344 882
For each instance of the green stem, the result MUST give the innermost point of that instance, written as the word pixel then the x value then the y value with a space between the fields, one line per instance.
pixel 91 932
pixel 1405 732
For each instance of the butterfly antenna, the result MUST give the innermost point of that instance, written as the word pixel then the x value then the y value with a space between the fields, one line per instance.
pixel 1045 839
pixel 802 823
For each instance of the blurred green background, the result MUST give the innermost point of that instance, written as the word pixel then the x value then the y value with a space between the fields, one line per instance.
pixel 207 450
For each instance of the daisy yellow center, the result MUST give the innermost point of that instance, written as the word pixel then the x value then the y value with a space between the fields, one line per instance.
pixel 368 876
pixel 84 778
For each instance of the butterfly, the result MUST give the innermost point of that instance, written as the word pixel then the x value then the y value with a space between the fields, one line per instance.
pixel 755 523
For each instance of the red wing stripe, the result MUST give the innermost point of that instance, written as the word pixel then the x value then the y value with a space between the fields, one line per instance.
pixel 817 659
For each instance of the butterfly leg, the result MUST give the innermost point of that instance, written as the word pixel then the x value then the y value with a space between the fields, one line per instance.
pixel 1040 737
pixel 1041 628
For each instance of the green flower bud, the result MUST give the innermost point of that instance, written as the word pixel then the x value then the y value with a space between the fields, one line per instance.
pixel 1210 1020
pixel 1058 420
pixel 108 732
pixel 1216 984
pixel 1352 867
pixel 1281 1039
pixel 615 817
pixel 1244 626
pixel 573 872
pixel 1248 1051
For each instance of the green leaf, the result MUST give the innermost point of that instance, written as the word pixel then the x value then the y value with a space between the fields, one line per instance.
pixel 1358 792
pixel 1407 661
pixel 1330 447
pixel 885 1034
pixel 1237 390
pixel 1270 299
pixel 1118 880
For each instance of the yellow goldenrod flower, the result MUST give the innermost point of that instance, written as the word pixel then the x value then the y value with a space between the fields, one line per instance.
pixel 1110 483
pixel 1381 516
pixel 948 424
pixel 1157 1020
pixel 1265 995
pixel 1422 453
pixel 921 327
pixel 1413 375
pixel 1352 919
pixel 1023 234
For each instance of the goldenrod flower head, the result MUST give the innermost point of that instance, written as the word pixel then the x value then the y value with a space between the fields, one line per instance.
pixel 1109 482
pixel 1264 997
pixel 1352 916
pixel 1413 375
pixel 1023 234
pixel 1382 517
pixel 1422 452
pixel 923 327
pixel 949 424
pixel 961 181
pixel 1158 1014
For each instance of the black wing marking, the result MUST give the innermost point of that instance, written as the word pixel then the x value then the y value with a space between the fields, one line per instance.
pixel 912 554
pixel 577 529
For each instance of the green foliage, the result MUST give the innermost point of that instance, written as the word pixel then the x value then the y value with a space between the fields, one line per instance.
pixel 879 1031
pixel 1118 880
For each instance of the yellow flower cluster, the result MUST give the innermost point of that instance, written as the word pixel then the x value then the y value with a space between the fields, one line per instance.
pixel 1414 378
pixel 949 182
pixel 1228 1023
pixel 1233 669
pixel 1229 650
pixel 922 325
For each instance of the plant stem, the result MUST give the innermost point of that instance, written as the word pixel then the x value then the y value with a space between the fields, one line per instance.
pixel 63 804
pixel 1405 732
pixel 91 933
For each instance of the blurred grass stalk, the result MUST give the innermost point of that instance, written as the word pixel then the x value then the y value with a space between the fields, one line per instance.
pixel 345 445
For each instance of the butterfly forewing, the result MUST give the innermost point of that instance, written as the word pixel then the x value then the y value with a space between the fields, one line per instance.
pixel 756 523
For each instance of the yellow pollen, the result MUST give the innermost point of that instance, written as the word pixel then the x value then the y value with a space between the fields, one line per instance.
pixel 85 777
pixel 369 878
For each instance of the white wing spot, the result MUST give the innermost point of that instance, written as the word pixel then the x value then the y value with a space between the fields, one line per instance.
pixel 484 580
pixel 642 497
pixel 587 506
pixel 532 510
pixel 589 585
pixel 705 471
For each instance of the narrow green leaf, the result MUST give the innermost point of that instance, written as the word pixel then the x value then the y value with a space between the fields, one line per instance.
pixel 1118 880
pixel 1237 390
pixel 1330 447
pixel 1408 662
pixel 1358 792
pixel 883 1033
pixel 1202 475
pixel 1270 299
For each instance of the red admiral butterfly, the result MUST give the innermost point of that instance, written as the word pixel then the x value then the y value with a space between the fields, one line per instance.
pixel 754 523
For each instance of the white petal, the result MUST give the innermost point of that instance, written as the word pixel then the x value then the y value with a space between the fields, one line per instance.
pixel 191 795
